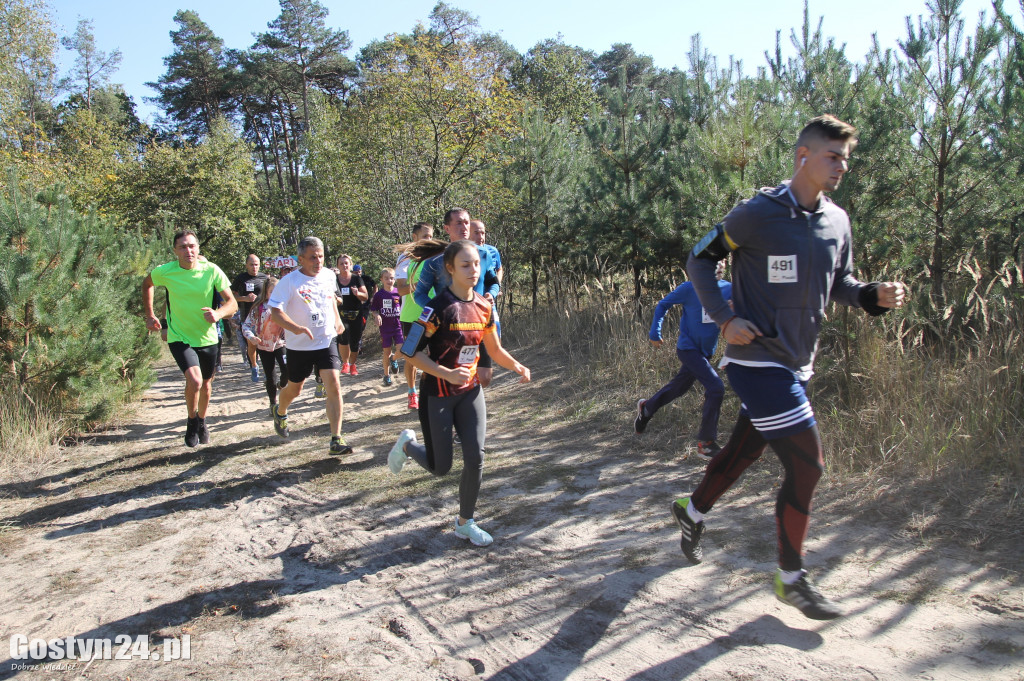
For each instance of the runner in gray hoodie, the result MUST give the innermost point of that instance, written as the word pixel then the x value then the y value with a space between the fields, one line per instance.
pixel 792 253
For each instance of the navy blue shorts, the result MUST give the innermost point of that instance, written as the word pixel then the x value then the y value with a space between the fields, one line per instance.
pixel 774 399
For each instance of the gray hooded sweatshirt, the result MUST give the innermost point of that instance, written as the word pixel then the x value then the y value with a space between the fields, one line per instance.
pixel 787 265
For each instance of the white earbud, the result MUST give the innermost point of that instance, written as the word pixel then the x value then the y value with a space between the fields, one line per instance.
pixel 803 161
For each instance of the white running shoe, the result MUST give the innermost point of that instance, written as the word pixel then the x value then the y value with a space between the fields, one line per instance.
pixel 473 533
pixel 397 456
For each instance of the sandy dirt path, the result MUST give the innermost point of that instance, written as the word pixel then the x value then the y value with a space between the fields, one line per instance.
pixel 280 562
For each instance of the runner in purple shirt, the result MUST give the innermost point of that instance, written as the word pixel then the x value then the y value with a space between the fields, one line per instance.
pixel 386 305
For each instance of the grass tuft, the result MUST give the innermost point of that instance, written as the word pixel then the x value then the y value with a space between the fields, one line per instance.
pixel 31 429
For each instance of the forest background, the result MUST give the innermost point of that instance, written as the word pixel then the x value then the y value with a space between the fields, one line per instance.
pixel 594 172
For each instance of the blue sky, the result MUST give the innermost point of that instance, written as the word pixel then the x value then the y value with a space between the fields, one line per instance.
pixel 659 28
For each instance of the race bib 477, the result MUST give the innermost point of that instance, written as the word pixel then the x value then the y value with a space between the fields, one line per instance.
pixel 468 354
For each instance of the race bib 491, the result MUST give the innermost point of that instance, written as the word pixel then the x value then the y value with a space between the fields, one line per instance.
pixel 782 269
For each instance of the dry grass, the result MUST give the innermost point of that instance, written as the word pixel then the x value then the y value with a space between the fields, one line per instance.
pixel 924 439
pixel 887 412
pixel 923 410
pixel 31 429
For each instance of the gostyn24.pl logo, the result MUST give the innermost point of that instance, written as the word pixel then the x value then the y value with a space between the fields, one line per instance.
pixel 122 647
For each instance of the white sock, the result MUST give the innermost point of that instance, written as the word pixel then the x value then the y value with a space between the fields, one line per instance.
pixel 695 515
pixel 790 576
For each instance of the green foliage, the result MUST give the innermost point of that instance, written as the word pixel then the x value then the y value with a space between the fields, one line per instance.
pixel 27 72
pixel 194 90
pixel 279 75
pixel 592 171
pixel 93 152
pixel 306 50
pixel 208 187
pixel 93 67
pixel 945 83
pixel 70 327
pixel 541 177
pixel 414 141
pixel 621 66
pixel 623 207
pixel 558 78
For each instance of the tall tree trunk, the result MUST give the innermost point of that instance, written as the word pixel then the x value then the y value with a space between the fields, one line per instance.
pixel 534 276
pixel 276 147
pixel 938 264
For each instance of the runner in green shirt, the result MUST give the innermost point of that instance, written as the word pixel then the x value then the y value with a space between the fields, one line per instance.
pixel 405 281
pixel 191 282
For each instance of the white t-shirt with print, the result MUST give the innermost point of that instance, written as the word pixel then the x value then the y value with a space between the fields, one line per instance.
pixel 402 266
pixel 309 302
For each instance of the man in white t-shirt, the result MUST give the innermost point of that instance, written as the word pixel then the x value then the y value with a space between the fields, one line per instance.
pixel 304 304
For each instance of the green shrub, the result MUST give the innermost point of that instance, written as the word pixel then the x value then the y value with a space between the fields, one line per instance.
pixel 71 337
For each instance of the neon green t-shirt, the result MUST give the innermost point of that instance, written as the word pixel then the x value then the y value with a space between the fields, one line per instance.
pixel 410 310
pixel 188 292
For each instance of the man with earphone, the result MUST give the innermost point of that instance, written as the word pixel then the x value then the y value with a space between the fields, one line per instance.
pixel 792 253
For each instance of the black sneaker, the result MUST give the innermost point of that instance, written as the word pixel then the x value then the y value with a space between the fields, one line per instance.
pixel 706 449
pixel 690 541
pixel 203 432
pixel 804 597
pixel 192 432
pixel 338 447
pixel 640 422
pixel 280 422
pixel 394 365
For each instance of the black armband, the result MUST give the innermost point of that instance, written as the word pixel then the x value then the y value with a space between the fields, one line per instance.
pixel 714 246
pixel 868 299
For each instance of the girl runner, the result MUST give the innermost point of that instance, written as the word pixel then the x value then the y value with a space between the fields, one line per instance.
pixel 260 330
pixel 445 344
pixel 386 307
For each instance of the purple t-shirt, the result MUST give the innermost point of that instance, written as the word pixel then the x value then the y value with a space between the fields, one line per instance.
pixel 389 305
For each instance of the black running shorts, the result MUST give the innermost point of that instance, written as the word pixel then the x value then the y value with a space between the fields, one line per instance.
pixel 187 356
pixel 302 362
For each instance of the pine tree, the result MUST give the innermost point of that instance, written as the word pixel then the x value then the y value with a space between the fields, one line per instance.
pixel 70 327
pixel 194 90
pixel 93 67
pixel 623 202
pixel 944 90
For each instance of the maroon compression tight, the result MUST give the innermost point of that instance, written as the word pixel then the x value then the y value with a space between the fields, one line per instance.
pixel 801 456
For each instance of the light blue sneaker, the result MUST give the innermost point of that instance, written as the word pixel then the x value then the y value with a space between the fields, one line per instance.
pixel 473 533
pixel 255 371
pixel 397 456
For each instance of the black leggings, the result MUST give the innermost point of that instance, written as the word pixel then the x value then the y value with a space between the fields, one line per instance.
pixel 468 414
pixel 269 361
pixel 353 333
pixel 801 455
